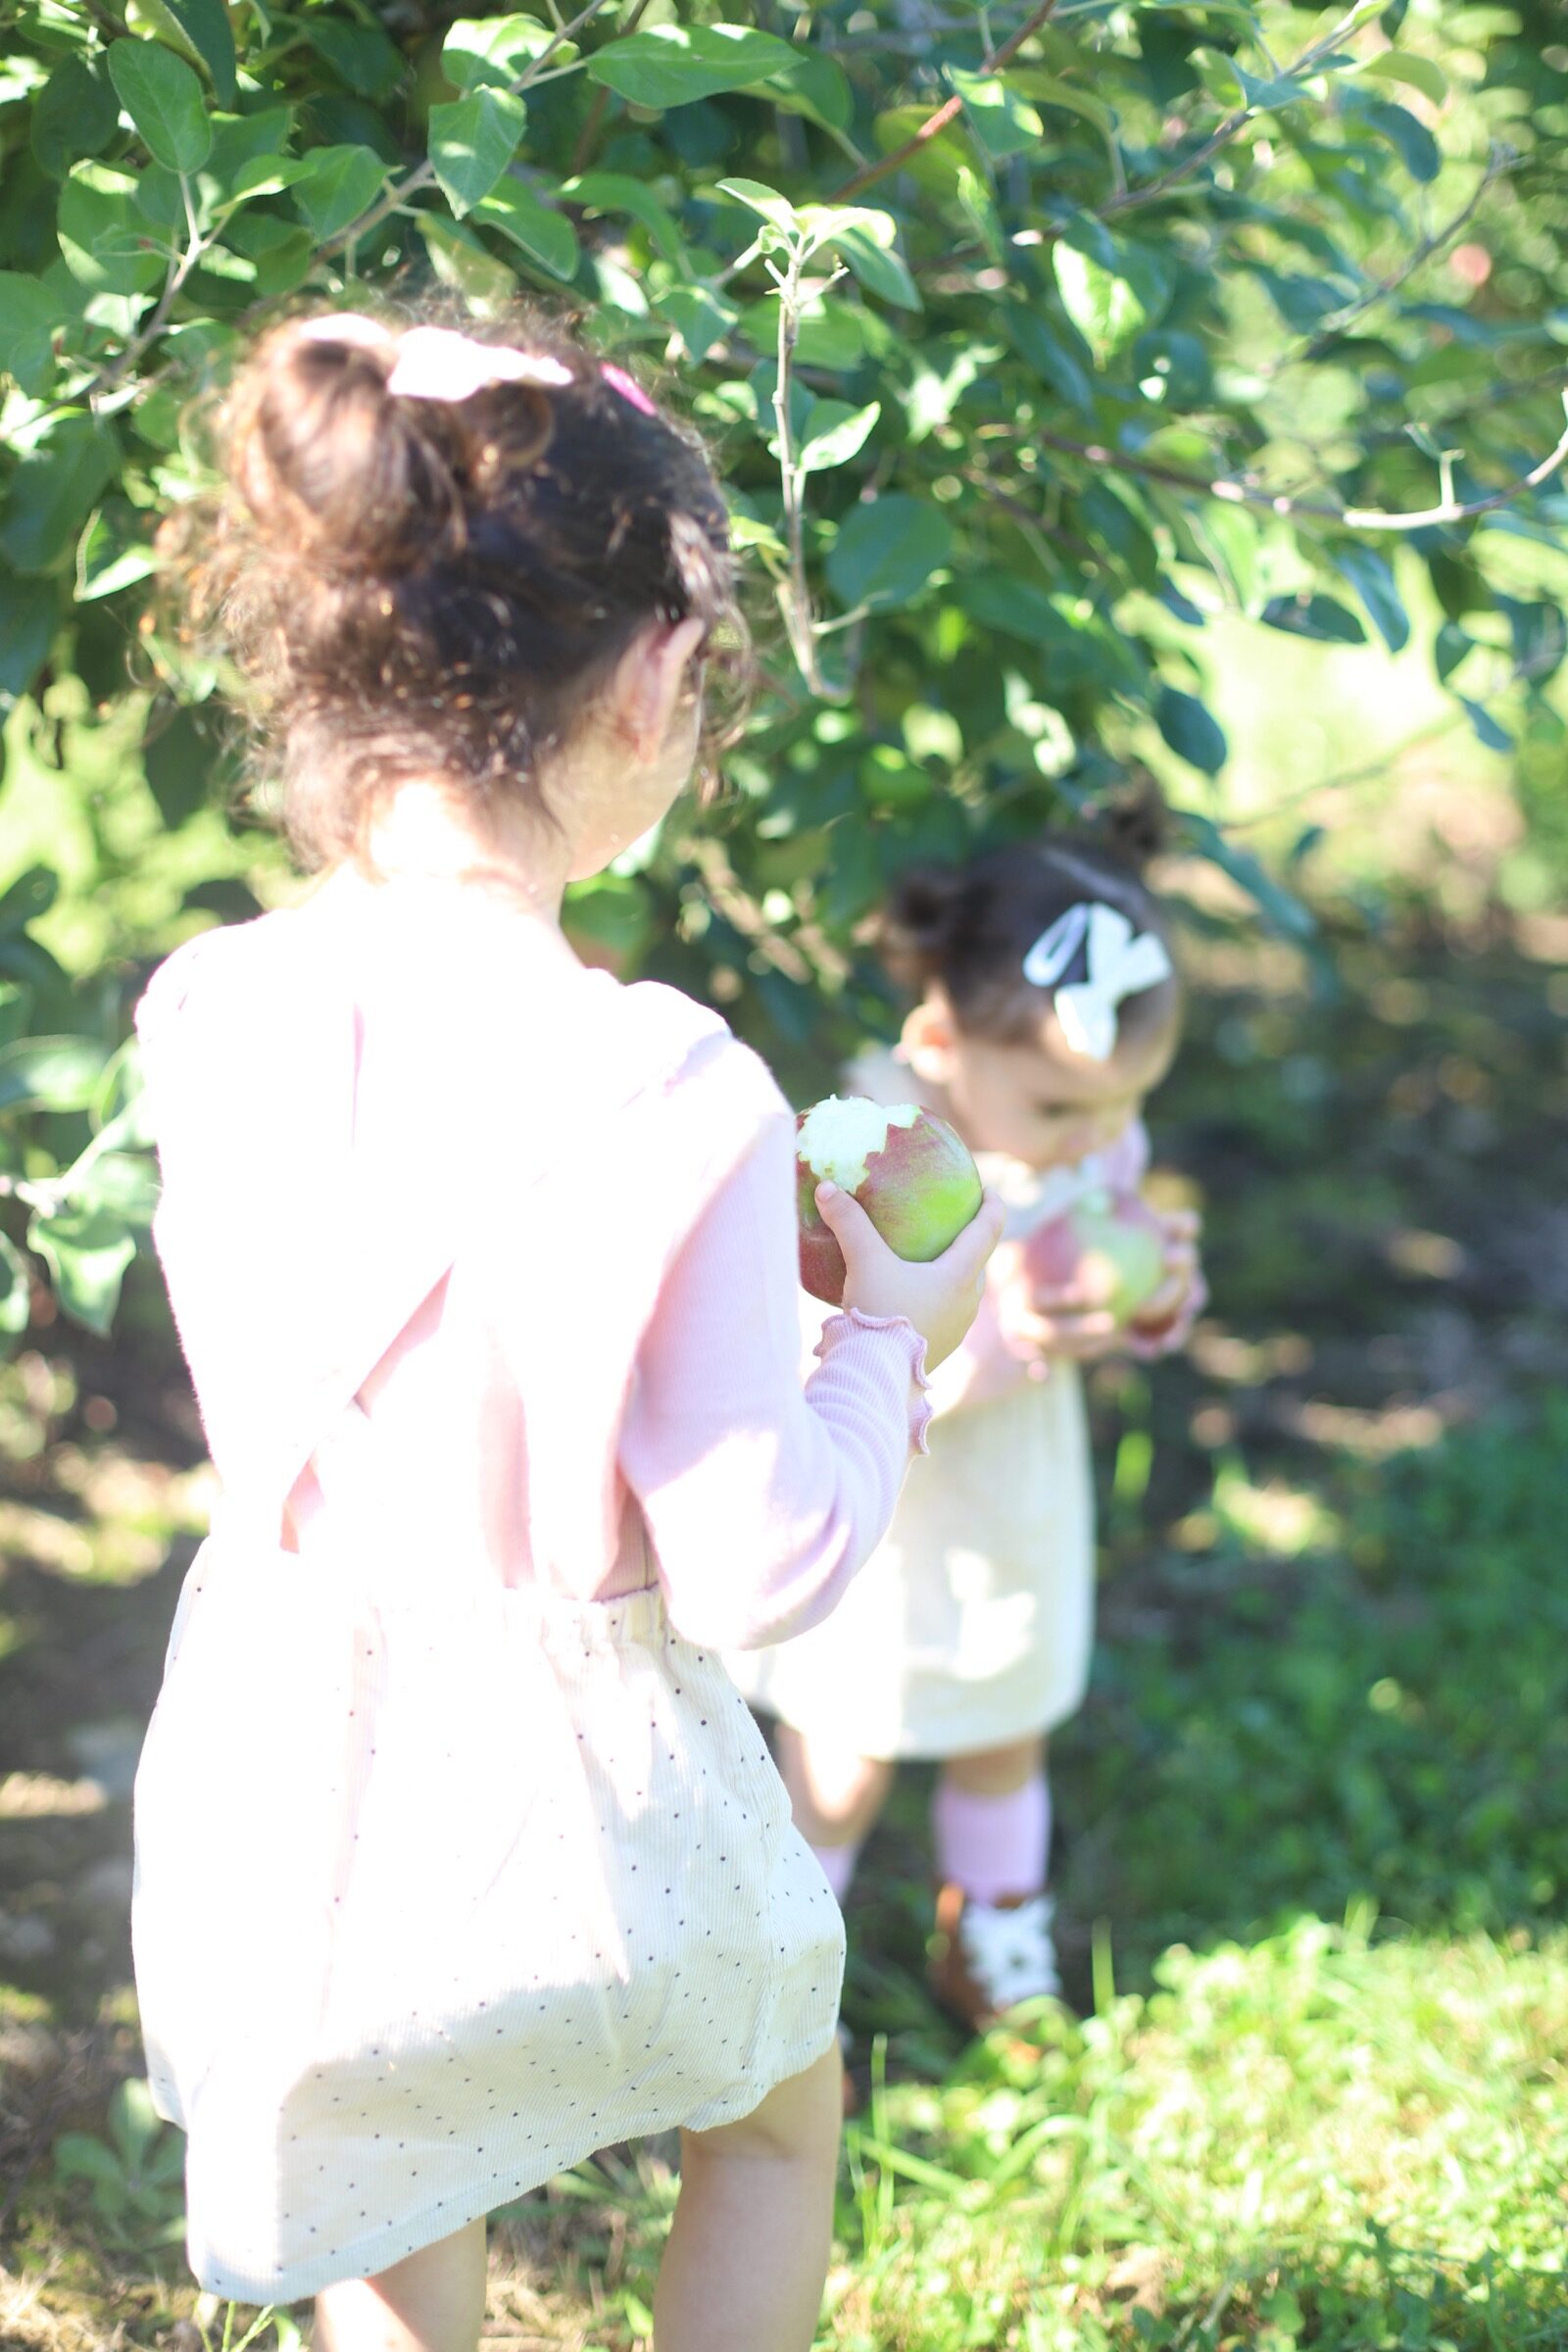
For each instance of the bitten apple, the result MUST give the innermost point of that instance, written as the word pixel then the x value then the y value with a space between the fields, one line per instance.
pixel 1108 1246
pixel 908 1170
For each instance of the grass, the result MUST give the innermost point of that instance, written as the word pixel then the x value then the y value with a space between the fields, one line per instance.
pixel 1311 1879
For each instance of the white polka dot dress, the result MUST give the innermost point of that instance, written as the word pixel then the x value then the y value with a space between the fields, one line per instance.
pixel 582 1917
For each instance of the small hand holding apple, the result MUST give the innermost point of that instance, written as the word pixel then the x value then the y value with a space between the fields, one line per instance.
pixel 1111 1273
pixel 1165 1321
pixel 940 1298
pixel 893 1218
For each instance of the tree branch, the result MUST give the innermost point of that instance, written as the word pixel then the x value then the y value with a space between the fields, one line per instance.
pixel 1133 199
pixel 935 123
pixel 1350 519
pixel 1499 162
pixel 422 173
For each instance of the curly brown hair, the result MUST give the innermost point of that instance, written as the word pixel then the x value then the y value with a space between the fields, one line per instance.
pixel 413 586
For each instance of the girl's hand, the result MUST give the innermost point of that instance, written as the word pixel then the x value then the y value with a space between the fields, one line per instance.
pixel 1163 1322
pixel 941 1300
pixel 1057 1322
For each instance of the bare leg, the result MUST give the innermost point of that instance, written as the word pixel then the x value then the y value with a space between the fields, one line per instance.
pixel 997 1770
pixel 749 2249
pixel 835 1795
pixel 432 2301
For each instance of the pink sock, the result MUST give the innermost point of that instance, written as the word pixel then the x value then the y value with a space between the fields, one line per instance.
pixel 838 1868
pixel 993 1845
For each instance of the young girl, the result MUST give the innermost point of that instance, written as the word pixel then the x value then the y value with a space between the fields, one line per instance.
pixel 1048 1008
pixel 458 1856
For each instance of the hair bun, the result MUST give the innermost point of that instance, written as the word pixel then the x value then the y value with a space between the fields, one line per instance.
pixel 924 904
pixel 330 465
pixel 1134 824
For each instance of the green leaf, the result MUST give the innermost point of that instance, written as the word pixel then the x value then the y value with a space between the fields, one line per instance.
pixel 1315 615
pixel 460 259
pixel 53 491
pixel 200 31
pixel 360 54
pixel 1190 730
pixel 1051 90
pixel 774 209
pixel 30 896
pixel 1486 729
pixel 50 1073
pixel 28 617
pixel 886 552
pixel 671 65
pixel 493 52
pixel 700 317
pixel 545 236
pixel 880 270
pixel 1422 74
pixel 29 317
pixel 1451 646
pixel 473 141
pixel 108 558
pixel 1540 643
pixel 106 243
pixel 618 192
pixel 345 183
pixel 74 114
pixel 1031 336
pixel 889 779
pixel 1412 140
pixel 164 99
pixel 1371 576
pixel 133 2121
pixel 1279 908
pixel 817 87
pixel 16 1290
pixel 86 1251
pixel 835 434
pixel 1002 123
pixel 1099 301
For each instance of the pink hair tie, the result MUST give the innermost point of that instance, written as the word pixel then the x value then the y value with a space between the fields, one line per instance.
pixel 619 381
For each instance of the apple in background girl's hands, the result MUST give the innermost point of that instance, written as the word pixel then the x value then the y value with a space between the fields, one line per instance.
pixel 1162 1323
pixel 1083 1313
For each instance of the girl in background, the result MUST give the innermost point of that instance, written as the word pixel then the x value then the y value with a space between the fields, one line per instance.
pixel 1047 1011
pixel 458 1856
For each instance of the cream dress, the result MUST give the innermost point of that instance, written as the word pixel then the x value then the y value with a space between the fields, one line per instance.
pixel 972 1624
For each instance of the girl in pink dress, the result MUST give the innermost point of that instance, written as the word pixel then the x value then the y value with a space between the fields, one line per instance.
pixel 457 1854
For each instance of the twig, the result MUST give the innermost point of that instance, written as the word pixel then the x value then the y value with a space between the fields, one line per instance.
pixel 424 174
pixel 1132 199
pixel 934 124
pixel 795 595
pixel 1500 160
pixel 178 272
pixel 1352 518
pixel 599 104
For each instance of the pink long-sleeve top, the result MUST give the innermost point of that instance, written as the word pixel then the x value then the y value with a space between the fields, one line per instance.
pixel 485 1264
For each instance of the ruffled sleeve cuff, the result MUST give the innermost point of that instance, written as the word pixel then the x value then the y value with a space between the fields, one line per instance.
pixel 847 1337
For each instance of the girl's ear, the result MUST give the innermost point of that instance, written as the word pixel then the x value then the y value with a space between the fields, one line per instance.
pixel 928 1038
pixel 649 680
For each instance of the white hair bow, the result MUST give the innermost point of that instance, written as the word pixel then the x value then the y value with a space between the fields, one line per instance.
pixel 435 364
pixel 1119 964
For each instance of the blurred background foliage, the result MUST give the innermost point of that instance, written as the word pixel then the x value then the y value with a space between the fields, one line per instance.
pixel 1103 392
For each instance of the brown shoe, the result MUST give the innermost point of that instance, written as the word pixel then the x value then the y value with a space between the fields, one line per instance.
pixel 988 1957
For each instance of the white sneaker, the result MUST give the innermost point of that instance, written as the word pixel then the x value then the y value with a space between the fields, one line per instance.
pixel 989 1957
